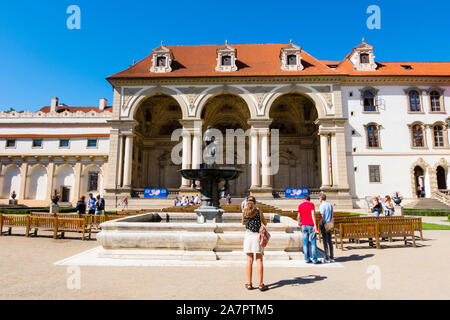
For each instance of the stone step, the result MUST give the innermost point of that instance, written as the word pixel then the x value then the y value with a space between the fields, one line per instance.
pixel 427 203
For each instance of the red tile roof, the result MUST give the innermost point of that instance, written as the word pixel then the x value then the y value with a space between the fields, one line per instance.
pixel 264 60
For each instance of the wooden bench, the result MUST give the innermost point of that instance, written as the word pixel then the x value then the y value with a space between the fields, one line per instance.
pixel 73 225
pixel 13 220
pixel 376 230
pixel 42 222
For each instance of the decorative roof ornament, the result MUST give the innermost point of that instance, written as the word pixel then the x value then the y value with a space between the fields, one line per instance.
pixel 226 58
pixel 290 57
pixel 162 59
pixel 363 58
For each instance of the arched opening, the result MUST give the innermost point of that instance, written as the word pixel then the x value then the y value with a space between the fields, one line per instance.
pixel 229 111
pixel 11 182
pixel 65 181
pixel 157 116
pixel 294 115
pixel 38 184
pixel 441 178
pixel 419 179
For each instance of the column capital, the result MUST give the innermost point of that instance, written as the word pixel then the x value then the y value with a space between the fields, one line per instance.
pixel 260 123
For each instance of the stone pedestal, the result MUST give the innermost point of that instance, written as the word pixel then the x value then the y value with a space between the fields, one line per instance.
pixel 13 202
pixel 54 208
pixel 206 214
pixel 398 210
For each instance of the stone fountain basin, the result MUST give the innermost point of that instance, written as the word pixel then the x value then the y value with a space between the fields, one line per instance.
pixel 212 239
pixel 205 173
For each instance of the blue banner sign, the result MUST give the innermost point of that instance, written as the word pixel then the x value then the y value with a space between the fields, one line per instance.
pixel 155 193
pixel 296 193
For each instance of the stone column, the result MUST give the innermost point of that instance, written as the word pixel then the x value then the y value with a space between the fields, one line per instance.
pixel 254 159
pixel 119 180
pixel 341 158
pixel 23 182
pixel 186 156
pixel 429 138
pixel 324 160
pixel 196 150
pixel 113 159
pixel 265 160
pixel 77 181
pixel 50 174
pixel 128 161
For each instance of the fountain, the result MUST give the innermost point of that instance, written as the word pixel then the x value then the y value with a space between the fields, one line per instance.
pixel 206 235
pixel 210 176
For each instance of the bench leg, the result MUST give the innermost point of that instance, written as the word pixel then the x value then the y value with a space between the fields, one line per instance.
pixel 9 230
pixel 414 240
pixel 421 235
pixel 35 232
pixel 378 242
pixel 62 235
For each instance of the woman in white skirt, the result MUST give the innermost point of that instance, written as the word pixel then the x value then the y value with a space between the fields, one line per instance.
pixel 252 219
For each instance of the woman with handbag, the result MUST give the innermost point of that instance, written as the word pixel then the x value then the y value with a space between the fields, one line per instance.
pixel 254 222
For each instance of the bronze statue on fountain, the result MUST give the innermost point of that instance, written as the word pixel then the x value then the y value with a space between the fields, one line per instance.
pixel 210 175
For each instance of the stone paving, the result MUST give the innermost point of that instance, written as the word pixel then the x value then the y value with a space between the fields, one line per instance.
pixel 28 271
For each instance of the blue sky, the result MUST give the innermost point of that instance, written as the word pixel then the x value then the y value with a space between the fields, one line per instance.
pixel 40 57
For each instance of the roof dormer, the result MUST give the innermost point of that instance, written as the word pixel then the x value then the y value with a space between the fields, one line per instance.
pixel 290 57
pixel 162 59
pixel 226 59
pixel 362 57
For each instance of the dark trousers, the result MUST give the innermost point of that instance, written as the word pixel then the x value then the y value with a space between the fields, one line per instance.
pixel 327 243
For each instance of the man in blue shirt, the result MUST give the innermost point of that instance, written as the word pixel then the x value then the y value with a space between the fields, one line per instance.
pixel 91 204
pixel 326 215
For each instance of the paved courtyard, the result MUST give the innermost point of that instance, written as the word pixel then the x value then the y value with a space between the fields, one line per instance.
pixel 28 272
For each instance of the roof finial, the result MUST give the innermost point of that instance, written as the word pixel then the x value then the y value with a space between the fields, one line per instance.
pixel 226 42
pixel 134 62
pixel 364 40
pixel 290 41
pixel 161 43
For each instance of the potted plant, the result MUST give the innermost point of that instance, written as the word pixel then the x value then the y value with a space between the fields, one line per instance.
pixel 397 198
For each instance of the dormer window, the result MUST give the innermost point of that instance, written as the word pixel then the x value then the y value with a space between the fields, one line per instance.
pixel 290 58
pixel 161 62
pixel 162 59
pixel 362 58
pixel 226 59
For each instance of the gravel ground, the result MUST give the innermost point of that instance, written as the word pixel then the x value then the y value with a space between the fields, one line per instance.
pixel 27 272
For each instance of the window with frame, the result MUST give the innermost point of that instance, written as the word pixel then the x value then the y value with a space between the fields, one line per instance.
pixel 63 143
pixel 226 60
pixel 161 61
pixel 374 173
pixel 364 58
pixel 93 181
pixel 37 143
pixel 11 143
pixel 417 136
pixel 92 143
pixel 369 101
pixel 372 136
pixel 291 60
pixel 414 101
pixel 438 133
pixel 435 99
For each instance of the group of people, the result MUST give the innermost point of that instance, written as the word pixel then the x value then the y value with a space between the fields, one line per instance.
pixel 253 219
pixel 94 205
pixel 378 206
pixel 187 201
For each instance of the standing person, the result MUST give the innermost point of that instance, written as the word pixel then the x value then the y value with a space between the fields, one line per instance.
pixel 419 191
pixel 307 220
pixel 388 207
pixel 99 205
pixel 125 203
pixel 228 199
pixel 252 219
pixel 326 217
pixel 197 200
pixel 244 204
pixel 81 206
pixel 376 207
pixel 91 204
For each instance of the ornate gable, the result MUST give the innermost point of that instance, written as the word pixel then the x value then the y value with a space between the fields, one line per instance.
pixel 362 57
pixel 290 58
pixel 226 59
pixel 162 59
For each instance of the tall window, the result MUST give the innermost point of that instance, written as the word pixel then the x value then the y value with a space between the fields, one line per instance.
pixel 435 98
pixel 93 181
pixel 374 174
pixel 417 136
pixel 414 101
pixel 438 133
pixel 369 101
pixel 372 136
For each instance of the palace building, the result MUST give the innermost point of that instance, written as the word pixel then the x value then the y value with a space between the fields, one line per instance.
pixel 352 128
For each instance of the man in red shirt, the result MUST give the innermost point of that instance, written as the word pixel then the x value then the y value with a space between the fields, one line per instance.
pixel 306 219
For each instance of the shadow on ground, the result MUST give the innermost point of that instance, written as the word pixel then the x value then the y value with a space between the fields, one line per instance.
pixel 296 281
pixel 354 257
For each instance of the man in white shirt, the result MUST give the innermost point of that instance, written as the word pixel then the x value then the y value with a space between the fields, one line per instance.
pixel 244 204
